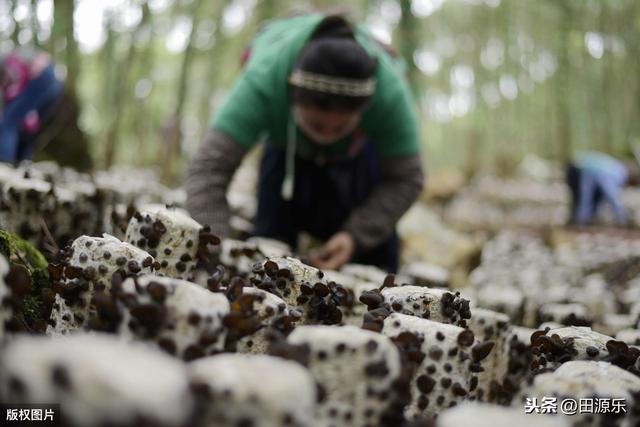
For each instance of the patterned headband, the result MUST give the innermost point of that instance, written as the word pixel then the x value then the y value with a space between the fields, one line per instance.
pixel 333 85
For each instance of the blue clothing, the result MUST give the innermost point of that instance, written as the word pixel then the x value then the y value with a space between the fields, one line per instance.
pixel 39 95
pixel 604 174
pixel 325 192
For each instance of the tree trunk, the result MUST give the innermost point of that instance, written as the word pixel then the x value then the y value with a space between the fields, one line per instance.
pixel 173 129
pixel 35 25
pixel 142 117
pixel 121 89
pixel 210 80
pixel 16 28
pixel 72 59
pixel 408 44
pixel 563 78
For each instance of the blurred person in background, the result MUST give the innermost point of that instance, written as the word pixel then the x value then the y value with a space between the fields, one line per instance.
pixel 341 142
pixel 28 89
pixel 594 177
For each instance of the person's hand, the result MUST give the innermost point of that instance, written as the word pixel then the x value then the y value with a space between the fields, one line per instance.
pixel 336 251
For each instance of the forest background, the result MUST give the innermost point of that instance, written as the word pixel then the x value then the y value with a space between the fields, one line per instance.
pixel 493 80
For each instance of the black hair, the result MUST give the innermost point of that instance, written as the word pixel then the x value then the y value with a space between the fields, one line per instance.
pixel 334 51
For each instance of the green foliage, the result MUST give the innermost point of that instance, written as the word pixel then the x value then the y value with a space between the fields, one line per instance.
pixel 32 311
pixel 19 251
pixel 573 63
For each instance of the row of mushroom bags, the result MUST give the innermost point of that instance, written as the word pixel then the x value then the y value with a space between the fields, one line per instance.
pixel 163 323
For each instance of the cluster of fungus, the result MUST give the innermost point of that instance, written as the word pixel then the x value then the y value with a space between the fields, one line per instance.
pixel 357 372
pixel 31 200
pixel 304 287
pixel 590 382
pixel 24 201
pixel 553 347
pixel 447 360
pixel 182 318
pixel 24 205
pixel 240 256
pixel 257 318
pixel 87 268
pixel 519 357
pixel 173 238
pixel 489 325
pixel 354 310
pixel 434 304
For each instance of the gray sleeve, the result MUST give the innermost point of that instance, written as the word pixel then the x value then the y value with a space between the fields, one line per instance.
pixel 401 182
pixel 208 178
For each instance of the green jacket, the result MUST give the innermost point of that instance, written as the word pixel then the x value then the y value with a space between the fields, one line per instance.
pixel 258 105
